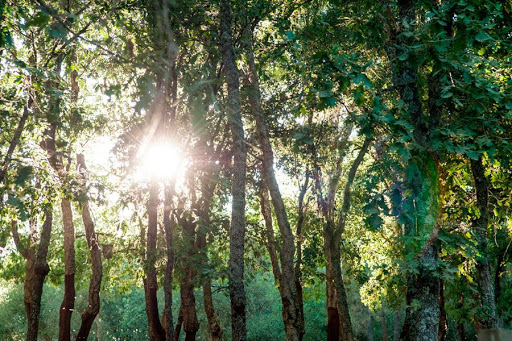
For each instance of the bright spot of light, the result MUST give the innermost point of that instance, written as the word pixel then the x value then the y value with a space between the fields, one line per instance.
pixel 161 161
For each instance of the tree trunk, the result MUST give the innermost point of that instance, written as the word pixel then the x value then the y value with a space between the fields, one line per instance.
pixel 336 299
pixel 266 212
pixel 188 299
pixel 383 325
pixel 422 323
pixel 37 269
pixel 93 308
pixel 396 326
pixel 298 251
pixel 188 308
pixel 341 296
pixel 214 327
pixel 422 296
pixel 442 316
pixel 169 267
pixel 369 328
pixel 179 324
pixel 15 140
pixel 156 331
pixel 333 316
pixel 488 318
pixel 48 144
pixel 461 332
pixel 98 327
pixel 237 229
pixel 422 319
pixel 68 302
pixel 291 310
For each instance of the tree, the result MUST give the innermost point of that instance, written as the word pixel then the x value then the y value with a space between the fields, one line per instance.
pixel 237 229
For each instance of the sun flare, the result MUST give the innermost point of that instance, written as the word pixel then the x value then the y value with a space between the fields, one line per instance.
pixel 161 161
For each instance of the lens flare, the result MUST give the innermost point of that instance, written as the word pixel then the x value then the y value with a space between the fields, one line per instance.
pixel 161 161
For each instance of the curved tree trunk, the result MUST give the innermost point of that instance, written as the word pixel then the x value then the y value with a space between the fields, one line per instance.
pixel 237 229
pixel 332 242
pixel 37 269
pixel 214 328
pixel 15 140
pixel 93 308
pixel 288 290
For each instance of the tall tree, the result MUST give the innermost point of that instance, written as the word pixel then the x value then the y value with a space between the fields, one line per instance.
pixel 37 269
pixel 287 287
pixel 237 229
pixel 93 308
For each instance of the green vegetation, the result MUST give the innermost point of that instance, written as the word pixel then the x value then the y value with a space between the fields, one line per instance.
pixel 255 170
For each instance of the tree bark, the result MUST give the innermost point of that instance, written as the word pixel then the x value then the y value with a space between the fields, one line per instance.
pixel 15 140
pixel 169 226
pixel 188 300
pixel 98 327
pixel 156 331
pixel 488 317
pixel 442 316
pixel 338 318
pixel 422 320
pixel 214 328
pixel 237 229
pixel 298 251
pixel 422 323
pixel 204 209
pixel 48 144
pixel 68 302
pixel 93 308
pixel 179 324
pixel 369 328
pixel 332 236
pixel 37 269
pixel 461 332
pixel 396 326
pixel 294 329
pixel 266 212
pixel 383 325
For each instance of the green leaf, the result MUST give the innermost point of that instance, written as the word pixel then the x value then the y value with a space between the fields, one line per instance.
pixel 40 19
pixel 290 35
pixel 446 94
pixel 17 203
pixel 403 56
pixel 57 31
pixel 375 221
pixel 482 36
pixel 325 93
pixel 24 173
